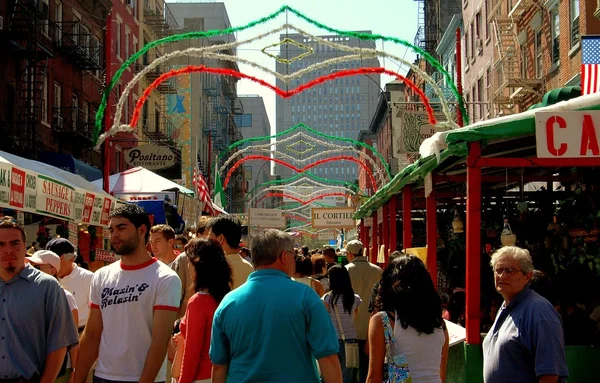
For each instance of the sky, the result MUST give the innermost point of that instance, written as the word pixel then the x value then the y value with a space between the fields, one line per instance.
pixel 393 18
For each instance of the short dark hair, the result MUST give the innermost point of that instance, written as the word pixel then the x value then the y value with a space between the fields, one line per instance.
pixel 329 252
pixel 202 224
pixel 182 238
pixel 229 226
pixel 135 214
pixel 213 272
pixel 166 230
pixel 9 222
pixel 305 250
pixel 304 265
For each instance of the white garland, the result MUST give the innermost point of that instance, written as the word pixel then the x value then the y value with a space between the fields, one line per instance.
pixel 207 52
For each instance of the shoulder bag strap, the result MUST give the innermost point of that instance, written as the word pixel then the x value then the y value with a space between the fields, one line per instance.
pixel 337 315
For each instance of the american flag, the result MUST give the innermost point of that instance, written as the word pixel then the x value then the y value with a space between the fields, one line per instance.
pixel 590 64
pixel 202 189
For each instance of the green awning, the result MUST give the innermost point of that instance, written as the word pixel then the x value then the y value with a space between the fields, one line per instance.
pixel 557 95
pixel 512 126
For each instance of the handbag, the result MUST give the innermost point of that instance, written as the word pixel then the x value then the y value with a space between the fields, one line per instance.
pixel 351 349
pixel 397 364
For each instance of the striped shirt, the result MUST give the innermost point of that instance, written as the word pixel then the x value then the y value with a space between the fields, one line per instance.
pixel 345 318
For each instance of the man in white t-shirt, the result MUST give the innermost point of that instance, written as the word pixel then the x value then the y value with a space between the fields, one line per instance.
pixel 227 230
pixel 72 277
pixel 134 303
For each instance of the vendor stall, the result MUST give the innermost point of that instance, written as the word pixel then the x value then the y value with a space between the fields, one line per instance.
pixel 531 179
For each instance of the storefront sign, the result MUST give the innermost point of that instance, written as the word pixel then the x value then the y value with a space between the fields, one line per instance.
pixel 74 240
pixel 326 235
pixel 266 218
pixel 17 188
pixel 161 196
pixel 105 255
pixel 55 198
pixel 151 157
pixel 335 218
pixel 368 221
pixel 567 134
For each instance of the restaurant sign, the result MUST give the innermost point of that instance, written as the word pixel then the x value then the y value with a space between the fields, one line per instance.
pixel 571 134
pixel 333 218
pixel 151 157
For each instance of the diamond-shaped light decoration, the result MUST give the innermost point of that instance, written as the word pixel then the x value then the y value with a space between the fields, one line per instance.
pixel 307 51
pixel 300 147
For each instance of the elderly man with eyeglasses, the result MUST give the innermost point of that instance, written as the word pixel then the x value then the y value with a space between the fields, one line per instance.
pixel 526 342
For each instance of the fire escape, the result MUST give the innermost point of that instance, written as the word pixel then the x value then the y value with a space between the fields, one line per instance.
pixel 161 21
pixel 30 36
pixel 77 44
pixel 511 84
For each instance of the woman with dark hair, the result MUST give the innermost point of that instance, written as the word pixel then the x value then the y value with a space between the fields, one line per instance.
pixel 304 270
pixel 212 280
pixel 342 305
pixel 409 321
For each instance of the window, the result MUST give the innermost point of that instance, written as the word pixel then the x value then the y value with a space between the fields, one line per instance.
pixel 44 98
pixel 76 26
pixel 488 84
pixel 478 25
pixel 574 22
pixel 85 112
pixel 118 38
pixel 555 36
pixel 59 18
pixel 473 38
pixel 524 60
pixel 467 48
pixel 480 98
pixel 538 54
pixel 74 110
pixel 487 15
pixel 56 96
pixel 44 7
pixel 127 33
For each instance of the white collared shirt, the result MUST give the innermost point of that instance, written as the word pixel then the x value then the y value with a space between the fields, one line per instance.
pixel 78 283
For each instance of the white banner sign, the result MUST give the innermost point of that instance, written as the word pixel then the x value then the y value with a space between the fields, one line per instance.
pixel 335 218
pixel 266 218
pixel 105 255
pixel 55 198
pixel 17 188
pixel 326 235
pixel 567 134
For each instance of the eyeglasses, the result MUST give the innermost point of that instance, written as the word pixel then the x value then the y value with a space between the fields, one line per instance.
pixel 505 270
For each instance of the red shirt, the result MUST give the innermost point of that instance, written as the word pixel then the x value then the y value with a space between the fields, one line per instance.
pixel 196 327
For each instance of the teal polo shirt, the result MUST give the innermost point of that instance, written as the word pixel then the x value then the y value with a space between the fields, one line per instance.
pixel 271 329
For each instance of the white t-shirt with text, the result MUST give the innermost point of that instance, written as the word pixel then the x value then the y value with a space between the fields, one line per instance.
pixel 127 297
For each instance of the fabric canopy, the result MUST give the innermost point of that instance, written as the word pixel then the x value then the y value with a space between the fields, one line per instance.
pixel 141 180
pixel 71 164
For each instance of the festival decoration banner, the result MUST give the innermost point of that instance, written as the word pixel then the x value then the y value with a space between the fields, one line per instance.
pixel 179 112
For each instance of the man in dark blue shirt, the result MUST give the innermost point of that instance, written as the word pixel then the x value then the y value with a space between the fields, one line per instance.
pixel 526 342
pixel 36 324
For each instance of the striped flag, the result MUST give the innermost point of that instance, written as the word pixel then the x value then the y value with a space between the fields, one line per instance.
pixel 202 190
pixel 590 64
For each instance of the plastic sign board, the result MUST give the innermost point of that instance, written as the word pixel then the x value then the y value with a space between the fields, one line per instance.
pixel 333 218
pixel 266 218
pixel 151 157
pixel 567 134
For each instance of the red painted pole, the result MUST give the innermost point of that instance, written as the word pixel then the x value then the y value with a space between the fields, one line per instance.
pixel 209 180
pixel 459 116
pixel 385 235
pixel 107 115
pixel 406 217
pixel 393 224
pixel 473 243
pixel 374 242
pixel 431 233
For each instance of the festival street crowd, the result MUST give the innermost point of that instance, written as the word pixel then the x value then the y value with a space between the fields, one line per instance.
pixel 206 309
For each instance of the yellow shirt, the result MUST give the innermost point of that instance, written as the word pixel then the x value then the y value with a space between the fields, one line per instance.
pixel 240 268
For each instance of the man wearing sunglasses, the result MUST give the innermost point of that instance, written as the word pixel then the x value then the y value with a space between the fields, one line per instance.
pixel 526 342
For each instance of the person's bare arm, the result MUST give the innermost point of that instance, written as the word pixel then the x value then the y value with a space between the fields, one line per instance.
pixel 89 345
pixel 319 288
pixel 219 373
pixel 444 362
pixel 54 362
pixel 74 351
pixel 376 346
pixel 331 371
pixel 548 379
pixel 162 325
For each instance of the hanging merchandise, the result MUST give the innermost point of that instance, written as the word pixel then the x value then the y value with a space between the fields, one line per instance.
pixel 507 238
pixel 457 224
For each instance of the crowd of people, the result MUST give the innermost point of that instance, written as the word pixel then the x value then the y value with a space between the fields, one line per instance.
pixel 207 309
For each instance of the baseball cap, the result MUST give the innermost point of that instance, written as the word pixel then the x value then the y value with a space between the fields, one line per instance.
pixel 60 246
pixel 45 257
pixel 355 247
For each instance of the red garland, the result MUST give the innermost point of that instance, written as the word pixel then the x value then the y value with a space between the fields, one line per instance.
pixel 338 194
pixel 299 170
pixel 298 218
pixel 285 94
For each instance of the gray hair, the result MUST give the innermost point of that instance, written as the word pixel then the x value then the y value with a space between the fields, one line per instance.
pixel 68 256
pixel 516 253
pixel 268 245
